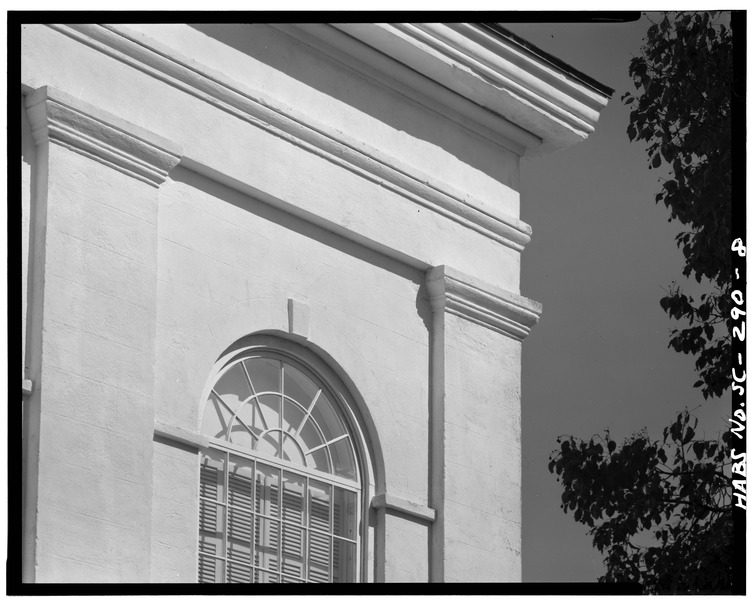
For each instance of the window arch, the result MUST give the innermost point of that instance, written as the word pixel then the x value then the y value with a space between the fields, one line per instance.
pixel 282 487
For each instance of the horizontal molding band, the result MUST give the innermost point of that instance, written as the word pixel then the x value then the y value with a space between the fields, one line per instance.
pixel 456 293
pixel 180 435
pixel 293 126
pixel 392 503
pixel 60 118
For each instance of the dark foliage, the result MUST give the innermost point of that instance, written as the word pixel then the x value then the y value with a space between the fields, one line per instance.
pixel 661 510
pixel 682 110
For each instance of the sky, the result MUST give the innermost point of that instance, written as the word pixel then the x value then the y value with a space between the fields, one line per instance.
pixel 602 255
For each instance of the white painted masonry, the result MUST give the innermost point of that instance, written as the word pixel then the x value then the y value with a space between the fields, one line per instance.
pixel 347 190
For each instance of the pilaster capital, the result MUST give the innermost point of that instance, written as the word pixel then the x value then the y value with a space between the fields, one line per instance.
pixel 59 118
pixel 456 293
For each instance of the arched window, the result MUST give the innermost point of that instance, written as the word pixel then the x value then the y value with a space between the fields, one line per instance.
pixel 281 488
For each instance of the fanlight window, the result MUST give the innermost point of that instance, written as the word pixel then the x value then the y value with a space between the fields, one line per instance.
pixel 280 489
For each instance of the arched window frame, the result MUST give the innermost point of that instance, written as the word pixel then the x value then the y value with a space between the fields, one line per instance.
pixel 318 370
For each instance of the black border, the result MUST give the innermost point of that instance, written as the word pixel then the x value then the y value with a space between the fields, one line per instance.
pixel 14 584
pixel 739 230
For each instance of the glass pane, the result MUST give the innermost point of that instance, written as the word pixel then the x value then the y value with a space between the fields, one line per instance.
pixel 265 374
pixel 250 415
pixel 240 483
pixel 238 572
pixel 270 408
pixel 240 435
pixel 293 550
pixel 309 437
pixel 299 386
pixel 343 561
pixel 291 451
pixel 239 531
pixel 319 552
pixel 343 459
pixel 212 475
pixel 267 490
pixel 267 543
pixel 293 417
pixel 319 506
pixel 233 387
pixel 345 513
pixel 319 460
pixel 210 569
pixel 269 444
pixel 327 418
pixel 216 418
pixel 211 528
pixel 293 498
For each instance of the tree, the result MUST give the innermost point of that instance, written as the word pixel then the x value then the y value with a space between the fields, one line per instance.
pixel 661 509
pixel 682 110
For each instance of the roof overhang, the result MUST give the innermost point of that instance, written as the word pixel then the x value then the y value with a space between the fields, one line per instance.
pixel 495 70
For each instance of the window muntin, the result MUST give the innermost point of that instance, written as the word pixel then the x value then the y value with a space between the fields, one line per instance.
pixel 280 497
pixel 268 405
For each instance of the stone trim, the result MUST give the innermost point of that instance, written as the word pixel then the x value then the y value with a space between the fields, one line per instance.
pixel 392 503
pixel 252 106
pixel 57 117
pixel 457 293
pixel 180 435
pixel 298 317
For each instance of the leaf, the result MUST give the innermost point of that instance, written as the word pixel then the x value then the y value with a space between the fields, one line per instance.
pixel 699 449
pixel 688 435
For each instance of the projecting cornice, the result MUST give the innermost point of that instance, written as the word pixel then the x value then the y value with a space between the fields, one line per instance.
pixel 497 73
pixel 62 119
pixel 457 293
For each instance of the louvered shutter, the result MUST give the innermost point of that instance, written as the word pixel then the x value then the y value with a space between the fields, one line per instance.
pixel 239 520
pixel 267 529
pixel 293 533
pixel 320 540
pixel 211 520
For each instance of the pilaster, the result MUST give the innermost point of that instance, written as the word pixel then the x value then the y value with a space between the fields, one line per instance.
pixel 90 343
pixel 475 427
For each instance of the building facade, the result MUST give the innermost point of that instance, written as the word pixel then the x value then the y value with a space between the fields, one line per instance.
pixel 272 318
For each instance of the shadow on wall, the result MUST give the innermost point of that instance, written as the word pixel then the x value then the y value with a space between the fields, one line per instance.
pixel 258 41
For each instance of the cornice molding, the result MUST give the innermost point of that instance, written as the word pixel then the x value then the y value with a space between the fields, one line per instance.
pixel 364 59
pixel 456 293
pixel 392 503
pixel 500 76
pixel 57 117
pixel 254 107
